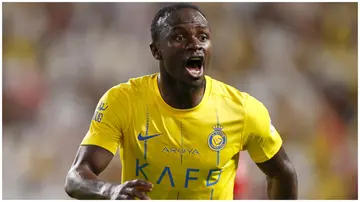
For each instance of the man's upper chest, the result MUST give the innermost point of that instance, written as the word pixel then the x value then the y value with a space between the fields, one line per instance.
pixel 211 136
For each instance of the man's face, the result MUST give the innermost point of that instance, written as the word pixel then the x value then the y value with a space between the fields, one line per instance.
pixel 185 46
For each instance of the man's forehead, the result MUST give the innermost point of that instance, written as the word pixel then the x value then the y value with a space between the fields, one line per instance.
pixel 183 16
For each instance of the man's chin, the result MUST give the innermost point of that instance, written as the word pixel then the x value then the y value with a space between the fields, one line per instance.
pixel 196 82
pixel 189 81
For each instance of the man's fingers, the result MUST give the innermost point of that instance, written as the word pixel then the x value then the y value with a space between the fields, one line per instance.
pixel 143 188
pixel 126 197
pixel 139 182
pixel 134 192
pixel 136 188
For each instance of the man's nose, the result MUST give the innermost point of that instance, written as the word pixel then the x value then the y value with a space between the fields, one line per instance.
pixel 194 45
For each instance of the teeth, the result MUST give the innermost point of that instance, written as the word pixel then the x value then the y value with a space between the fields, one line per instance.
pixel 196 58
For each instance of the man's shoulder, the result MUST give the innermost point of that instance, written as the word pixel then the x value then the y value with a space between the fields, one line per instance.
pixel 133 85
pixel 227 91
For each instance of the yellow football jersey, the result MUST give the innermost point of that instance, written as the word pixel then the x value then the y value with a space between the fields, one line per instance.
pixel 186 153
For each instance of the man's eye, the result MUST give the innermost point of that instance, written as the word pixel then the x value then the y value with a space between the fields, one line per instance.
pixel 180 38
pixel 203 38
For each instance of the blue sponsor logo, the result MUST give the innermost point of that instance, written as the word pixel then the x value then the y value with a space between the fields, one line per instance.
pixel 191 175
pixel 190 151
pixel 143 138
pixel 98 115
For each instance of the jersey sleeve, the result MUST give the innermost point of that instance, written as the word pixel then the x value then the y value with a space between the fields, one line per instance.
pixel 109 121
pixel 259 137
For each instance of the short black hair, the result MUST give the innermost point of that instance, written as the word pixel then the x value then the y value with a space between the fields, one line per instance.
pixel 155 28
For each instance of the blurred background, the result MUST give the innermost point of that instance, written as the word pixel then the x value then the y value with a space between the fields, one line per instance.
pixel 299 59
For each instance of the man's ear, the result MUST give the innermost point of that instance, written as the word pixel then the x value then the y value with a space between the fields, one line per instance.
pixel 154 47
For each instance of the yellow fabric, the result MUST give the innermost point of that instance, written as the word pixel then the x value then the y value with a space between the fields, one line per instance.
pixel 186 154
pixel 260 138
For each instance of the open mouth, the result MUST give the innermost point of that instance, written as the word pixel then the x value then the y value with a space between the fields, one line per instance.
pixel 194 65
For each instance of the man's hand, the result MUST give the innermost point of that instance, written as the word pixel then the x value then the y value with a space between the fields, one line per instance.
pixel 130 190
pixel 82 180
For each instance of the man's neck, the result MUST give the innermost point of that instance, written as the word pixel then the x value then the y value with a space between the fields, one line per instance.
pixel 179 95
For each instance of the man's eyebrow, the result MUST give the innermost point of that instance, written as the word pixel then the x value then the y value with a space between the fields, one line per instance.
pixel 202 26
pixel 176 27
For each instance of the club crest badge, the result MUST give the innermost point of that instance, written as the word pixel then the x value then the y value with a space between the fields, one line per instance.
pixel 217 139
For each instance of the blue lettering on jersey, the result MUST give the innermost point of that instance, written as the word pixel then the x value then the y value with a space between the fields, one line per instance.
pixel 97 116
pixel 102 106
pixel 211 171
pixel 190 151
pixel 140 168
pixel 213 176
pixel 187 178
pixel 166 169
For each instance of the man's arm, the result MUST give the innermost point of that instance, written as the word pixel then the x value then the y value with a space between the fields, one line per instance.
pixel 97 150
pixel 281 176
pixel 82 180
pixel 264 144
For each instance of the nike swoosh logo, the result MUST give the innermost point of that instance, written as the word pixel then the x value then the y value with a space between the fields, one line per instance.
pixel 142 138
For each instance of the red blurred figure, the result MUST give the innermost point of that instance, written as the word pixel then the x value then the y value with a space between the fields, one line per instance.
pixel 241 187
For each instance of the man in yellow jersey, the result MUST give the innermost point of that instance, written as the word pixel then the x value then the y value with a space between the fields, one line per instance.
pixel 179 132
